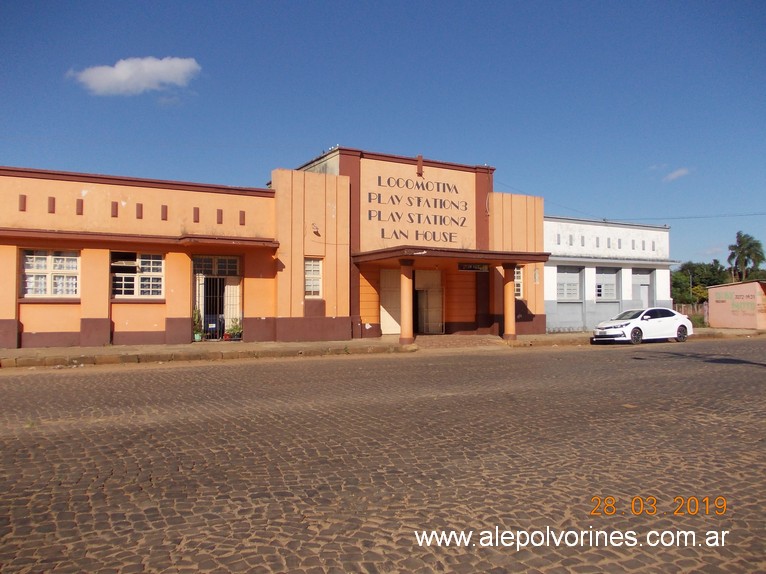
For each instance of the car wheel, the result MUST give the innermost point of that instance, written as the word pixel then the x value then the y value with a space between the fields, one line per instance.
pixel 636 336
pixel 682 334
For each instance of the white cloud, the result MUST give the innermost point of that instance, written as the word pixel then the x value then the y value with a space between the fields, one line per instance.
pixel 674 175
pixel 133 76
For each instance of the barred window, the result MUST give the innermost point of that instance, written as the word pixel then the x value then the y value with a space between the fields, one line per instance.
pixel 313 277
pixel 137 275
pixel 50 273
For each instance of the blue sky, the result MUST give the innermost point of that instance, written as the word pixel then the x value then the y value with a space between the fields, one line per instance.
pixel 647 111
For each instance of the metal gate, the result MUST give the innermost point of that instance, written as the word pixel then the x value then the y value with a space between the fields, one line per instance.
pixel 217 297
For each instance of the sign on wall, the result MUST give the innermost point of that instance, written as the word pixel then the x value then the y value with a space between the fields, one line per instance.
pixel 400 208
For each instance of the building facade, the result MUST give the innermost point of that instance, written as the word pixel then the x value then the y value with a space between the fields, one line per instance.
pixel 597 269
pixel 738 305
pixel 352 244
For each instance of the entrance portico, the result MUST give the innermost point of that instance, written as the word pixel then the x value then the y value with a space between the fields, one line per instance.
pixel 478 287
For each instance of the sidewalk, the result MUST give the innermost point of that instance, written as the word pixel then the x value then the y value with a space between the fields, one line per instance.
pixel 59 357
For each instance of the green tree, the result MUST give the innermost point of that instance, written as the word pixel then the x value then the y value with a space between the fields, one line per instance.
pixel 746 251
pixel 699 293
pixel 690 281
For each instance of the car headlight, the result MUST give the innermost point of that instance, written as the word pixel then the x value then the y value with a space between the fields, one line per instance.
pixel 620 326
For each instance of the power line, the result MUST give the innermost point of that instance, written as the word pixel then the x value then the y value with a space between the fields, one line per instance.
pixel 622 219
pixel 719 216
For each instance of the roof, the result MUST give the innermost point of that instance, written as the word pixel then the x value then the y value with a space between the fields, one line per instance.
pixel 605 222
pixel 761 282
pixel 338 150
pixel 131 181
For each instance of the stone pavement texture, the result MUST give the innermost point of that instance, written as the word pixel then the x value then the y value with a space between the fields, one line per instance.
pixel 329 465
pixel 61 357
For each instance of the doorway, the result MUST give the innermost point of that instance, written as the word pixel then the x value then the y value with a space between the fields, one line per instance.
pixel 428 303
pixel 217 296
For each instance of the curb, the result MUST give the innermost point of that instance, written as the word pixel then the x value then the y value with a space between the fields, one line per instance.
pixel 74 361
pixel 60 361
pixel 584 340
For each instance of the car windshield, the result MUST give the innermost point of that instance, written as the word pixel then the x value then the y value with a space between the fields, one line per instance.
pixel 632 314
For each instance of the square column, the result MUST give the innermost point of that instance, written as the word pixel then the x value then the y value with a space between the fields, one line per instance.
pixel 95 293
pixel 509 301
pixel 9 308
pixel 406 336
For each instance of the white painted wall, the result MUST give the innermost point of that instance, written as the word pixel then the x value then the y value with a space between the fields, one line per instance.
pixel 662 284
pixel 585 238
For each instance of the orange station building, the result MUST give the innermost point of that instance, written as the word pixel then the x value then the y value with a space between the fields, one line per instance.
pixel 352 244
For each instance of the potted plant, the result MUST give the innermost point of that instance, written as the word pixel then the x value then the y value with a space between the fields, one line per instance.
pixel 197 324
pixel 233 330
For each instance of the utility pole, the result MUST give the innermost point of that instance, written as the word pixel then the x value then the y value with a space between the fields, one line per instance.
pixel 691 295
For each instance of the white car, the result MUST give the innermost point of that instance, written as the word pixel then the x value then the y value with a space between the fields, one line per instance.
pixel 636 325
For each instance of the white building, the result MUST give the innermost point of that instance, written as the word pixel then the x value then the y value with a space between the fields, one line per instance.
pixel 599 268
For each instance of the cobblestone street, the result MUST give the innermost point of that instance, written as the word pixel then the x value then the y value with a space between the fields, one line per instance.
pixel 332 464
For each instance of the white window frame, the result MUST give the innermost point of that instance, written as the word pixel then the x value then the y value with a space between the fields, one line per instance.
pixel 146 282
pixel 607 284
pixel 518 282
pixel 50 274
pixel 312 278
pixel 568 284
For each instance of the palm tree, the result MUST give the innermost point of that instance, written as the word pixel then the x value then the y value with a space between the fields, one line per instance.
pixel 746 251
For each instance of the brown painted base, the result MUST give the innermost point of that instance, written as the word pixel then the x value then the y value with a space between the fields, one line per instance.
pixel 371 331
pixel 67 339
pixel 509 337
pixel 95 332
pixel 139 338
pixel 527 325
pixel 9 333
pixel 357 328
pixel 313 329
pixel 178 330
pixel 289 329
pixel 406 340
pixel 259 329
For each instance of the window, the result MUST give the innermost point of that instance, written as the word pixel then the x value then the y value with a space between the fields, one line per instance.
pixel 518 288
pixel 568 284
pixel 202 265
pixel 228 266
pixel 137 275
pixel 313 277
pixel 606 284
pixel 50 273
pixel 215 266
